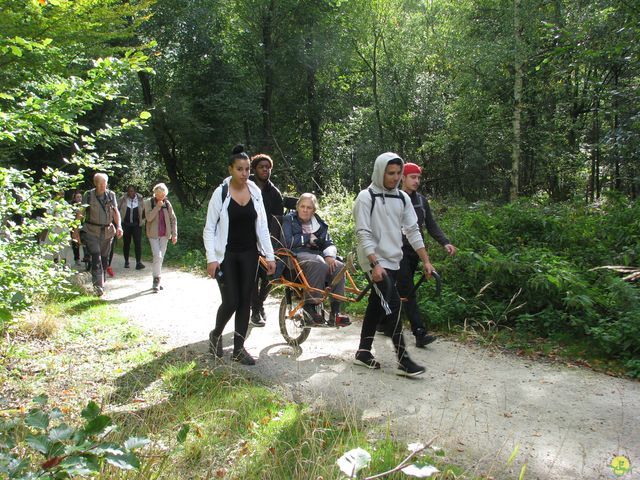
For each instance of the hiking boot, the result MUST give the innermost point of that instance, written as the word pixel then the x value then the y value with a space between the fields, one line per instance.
pixel 156 284
pixel 215 345
pixel 110 271
pixel 126 264
pixel 422 339
pixel 365 359
pixel 256 320
pixel 139 266
pixel 243 357
pixel 99 291
pixel 408 368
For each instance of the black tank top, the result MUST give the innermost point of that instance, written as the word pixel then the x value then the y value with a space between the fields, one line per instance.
pixel 242 227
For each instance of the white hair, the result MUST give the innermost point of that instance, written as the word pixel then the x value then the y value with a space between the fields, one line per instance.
pixel 161 186
pixel 308 196
pixel 100 175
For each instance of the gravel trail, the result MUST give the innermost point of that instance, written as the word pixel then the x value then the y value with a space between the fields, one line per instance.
pixel 567 422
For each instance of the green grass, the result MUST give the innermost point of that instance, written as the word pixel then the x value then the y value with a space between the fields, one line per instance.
pixel 238 426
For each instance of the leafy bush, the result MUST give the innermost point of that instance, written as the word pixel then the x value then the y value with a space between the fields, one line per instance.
pixel 41 445
pixel 42 108
pixel 528 266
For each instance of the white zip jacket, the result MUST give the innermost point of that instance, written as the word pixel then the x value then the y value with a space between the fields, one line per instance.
pixel 380 231
pixel 216 229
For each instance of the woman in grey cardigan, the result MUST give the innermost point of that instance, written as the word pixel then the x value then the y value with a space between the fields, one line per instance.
pixel 162 226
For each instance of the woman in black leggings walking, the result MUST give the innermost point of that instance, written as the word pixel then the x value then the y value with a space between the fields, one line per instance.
pixel 236 232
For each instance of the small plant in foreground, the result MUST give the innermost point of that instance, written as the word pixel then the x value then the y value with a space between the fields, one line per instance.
pixel 40 445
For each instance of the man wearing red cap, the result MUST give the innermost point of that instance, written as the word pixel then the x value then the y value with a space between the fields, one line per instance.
pixel 411 177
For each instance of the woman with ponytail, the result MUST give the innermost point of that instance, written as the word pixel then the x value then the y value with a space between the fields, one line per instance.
pixel 235 234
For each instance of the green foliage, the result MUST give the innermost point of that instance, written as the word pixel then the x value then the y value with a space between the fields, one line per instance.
pixel 40 444
pixel 528 267
pixel 48 90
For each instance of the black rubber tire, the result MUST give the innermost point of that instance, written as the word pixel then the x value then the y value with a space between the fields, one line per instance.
pixel 292 330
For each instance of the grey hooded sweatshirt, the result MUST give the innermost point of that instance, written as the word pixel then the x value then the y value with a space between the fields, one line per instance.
pixel 380 231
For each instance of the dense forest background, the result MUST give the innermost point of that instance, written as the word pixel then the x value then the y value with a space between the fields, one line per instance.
pixel 494 98
pixel 532 107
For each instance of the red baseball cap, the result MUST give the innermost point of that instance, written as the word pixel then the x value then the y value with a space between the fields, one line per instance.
pixel 411 168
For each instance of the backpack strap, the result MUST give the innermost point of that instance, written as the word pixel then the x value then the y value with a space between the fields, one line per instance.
pixel 374 195
pixel 223 195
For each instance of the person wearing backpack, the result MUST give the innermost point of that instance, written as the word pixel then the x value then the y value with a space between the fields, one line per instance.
pixel 101 224
pixel 412 175
pixel 235 233
pixel 382 212
pixel 161 226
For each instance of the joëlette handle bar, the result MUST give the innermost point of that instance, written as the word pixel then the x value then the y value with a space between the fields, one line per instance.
pixel 434 274
pixel 436 277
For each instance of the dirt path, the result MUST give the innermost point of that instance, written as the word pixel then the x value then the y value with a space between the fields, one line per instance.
pixel 568 423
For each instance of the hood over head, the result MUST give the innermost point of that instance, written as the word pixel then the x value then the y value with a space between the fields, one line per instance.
pixel 377 176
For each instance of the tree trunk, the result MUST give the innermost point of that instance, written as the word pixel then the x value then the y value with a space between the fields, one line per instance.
pixel 374 79
pixel 594 177
pixel 313 114
pixel 166 144
pixel 266 142
pixel 617 179
pixel 517 103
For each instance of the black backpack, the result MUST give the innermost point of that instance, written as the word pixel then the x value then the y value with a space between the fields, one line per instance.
pixel 374 195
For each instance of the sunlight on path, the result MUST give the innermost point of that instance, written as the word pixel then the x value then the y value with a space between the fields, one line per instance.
pixel 568 422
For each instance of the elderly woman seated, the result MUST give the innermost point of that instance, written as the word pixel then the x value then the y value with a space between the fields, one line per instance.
pixel 307 235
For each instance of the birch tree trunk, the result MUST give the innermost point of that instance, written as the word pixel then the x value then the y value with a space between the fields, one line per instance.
pixel 517 103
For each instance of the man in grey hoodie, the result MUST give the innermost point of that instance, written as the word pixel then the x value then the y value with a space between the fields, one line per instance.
pixel 382 214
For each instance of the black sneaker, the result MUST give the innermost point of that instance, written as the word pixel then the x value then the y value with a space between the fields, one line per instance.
pixel 243 357
pixel 256 320
pixel 365 359
pixel 422 339
pixel 215 345
pixel 139 266
pixel 126 265
pixel 408 368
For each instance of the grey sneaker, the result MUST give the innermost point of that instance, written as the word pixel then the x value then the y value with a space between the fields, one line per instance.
pixel 408 368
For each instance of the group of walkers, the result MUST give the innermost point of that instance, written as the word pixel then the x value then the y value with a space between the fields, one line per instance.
pixel 104 219
pixel 246 220
pixel 245 215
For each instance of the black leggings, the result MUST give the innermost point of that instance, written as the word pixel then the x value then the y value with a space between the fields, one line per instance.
pixel 237 284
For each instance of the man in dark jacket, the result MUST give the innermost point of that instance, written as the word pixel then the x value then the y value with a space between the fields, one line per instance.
pixel 412 175
pixel 261 166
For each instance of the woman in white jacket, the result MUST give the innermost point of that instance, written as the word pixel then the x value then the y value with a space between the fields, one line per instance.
pixel 235 233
